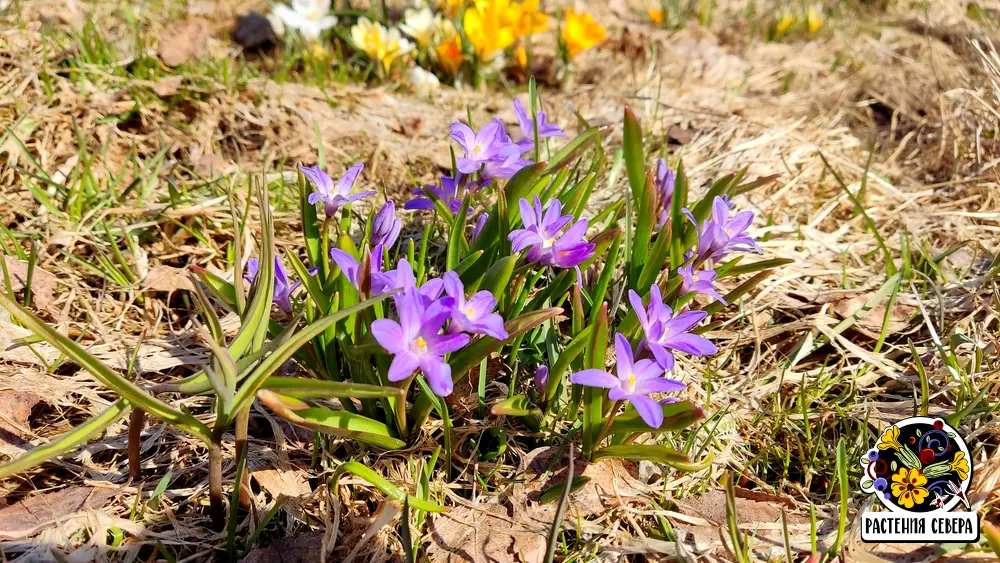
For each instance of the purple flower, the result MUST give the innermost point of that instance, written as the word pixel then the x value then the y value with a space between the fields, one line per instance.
pixel 507 163
pixel 451 192
pixel 720 234
pixel 542 231
pixel 483 217
pixel 416 341
pixel 699 282
pixel 541 377
pixel 665 180
pixel 666 332
pixel 282 289
pixel 545 130
pixel 351 268
pixel 402 278
pixel 474 315
pixel 386 226
pixel 635 381
pixel 332 197
pixel 489 143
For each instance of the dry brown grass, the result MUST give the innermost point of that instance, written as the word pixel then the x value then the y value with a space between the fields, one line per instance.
pixel 908 83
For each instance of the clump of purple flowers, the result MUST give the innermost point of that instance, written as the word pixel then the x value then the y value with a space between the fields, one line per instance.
pixel 545 129
pixel 420 337
pixel 334 197
pixel 543 235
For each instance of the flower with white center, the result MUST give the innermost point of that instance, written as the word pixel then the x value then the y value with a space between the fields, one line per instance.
pixel 381 44
pixel 309 17
pixel 424 83
pixel 422 25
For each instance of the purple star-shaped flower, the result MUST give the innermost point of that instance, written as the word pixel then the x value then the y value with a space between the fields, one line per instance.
pixel 666 332
pixel 402 278
pixel 282 289
pixel 474 315
pixel 386 226
pixel 665 180
pixel 634 383
pixel 543 233
pixel 720 234
pixel 507 163
pixel 488 144
pixel 334 197
pixel 545 129
pixel 451 192
pixel 351 268
pixel 699 282
pixel 416 341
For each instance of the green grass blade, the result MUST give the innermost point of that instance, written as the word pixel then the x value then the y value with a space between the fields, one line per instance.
pixel 383 485
pixel 104 374
pixel 67 442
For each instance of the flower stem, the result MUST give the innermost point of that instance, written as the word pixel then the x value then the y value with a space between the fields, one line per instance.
pixel 135 423
pixel 218 507
pixel 607 425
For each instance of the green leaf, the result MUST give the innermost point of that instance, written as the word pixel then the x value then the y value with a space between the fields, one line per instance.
pixel 676 416
pixel 104 374
pixel 635 160
pixel 383 485
pixel 571 150
pixel 519 186
pixel 498 276
pixel 312 283
pixel 254 326
pixel 456 237
pixel 467 262
pixel 572 350
pixel 339 423
pixel 301 388
pixel 518 405
pixel 67 442
pixel 271 363
pixel 310 224
pixel 593 398
pixel 643 234
pixel 655 453
pixel 755 267
pixel 738 292
pixel 554 492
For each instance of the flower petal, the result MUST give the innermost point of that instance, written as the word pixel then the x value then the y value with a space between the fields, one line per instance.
pixel 595 378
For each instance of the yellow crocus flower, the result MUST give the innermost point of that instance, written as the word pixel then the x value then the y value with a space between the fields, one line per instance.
pixel 814 20
pixel 784 25
pixel 581 32
pixel 488 28
pixel 449 53
pixel 656 15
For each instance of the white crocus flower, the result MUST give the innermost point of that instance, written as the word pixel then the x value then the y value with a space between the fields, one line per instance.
pixel 421 25
pixel 424 83
pixel 381 44
pixel 309 17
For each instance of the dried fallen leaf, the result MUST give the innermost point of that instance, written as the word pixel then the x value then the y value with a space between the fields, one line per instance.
pixel 43 284
pixel 167 279
pixel 872 320
pixel 183 40
pixel 31 515
pixel 486 532
pixel 15 411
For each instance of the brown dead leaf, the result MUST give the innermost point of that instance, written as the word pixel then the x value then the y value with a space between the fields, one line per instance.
pixel 290 483
pixel 183 40
pixel 15 411
pixel 43 284
pixel 31 515
pixel 762 517
pixel 167 279
pixel 299 549
pixel 872 320
pixel 484 533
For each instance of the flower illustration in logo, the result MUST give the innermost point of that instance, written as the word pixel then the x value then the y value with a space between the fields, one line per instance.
pixel 890 439
pixel 908 487
pixel 918 465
